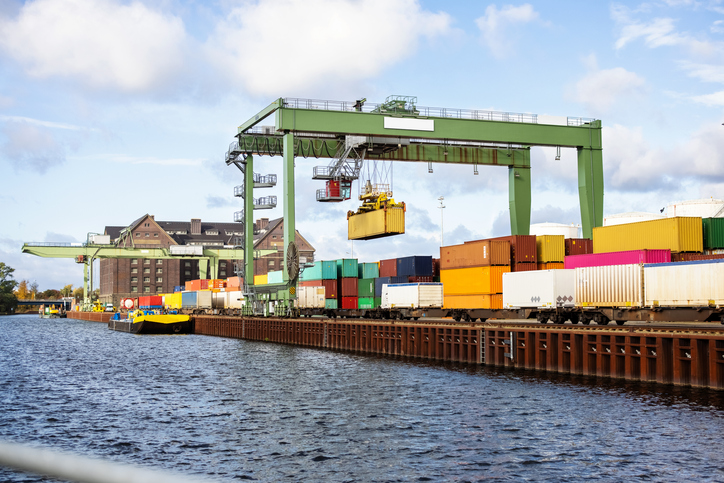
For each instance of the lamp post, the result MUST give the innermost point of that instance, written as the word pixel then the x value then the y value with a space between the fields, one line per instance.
pixel 442 206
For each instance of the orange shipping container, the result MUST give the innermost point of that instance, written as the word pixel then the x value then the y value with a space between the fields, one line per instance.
pixel 311 283
pixel 216 283
pixel 475 301
pixel 551 266
pixel 234 282
pixel 479 254
pixel 477 280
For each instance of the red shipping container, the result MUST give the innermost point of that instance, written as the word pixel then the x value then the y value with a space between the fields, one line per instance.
pixel 347 287
pixel 523 267
pixel 150 301
pixel 312 283
pixel 690 257
pixel 388 268
pixel 419 279
pixel 330 289
pixel 523 248
pixel 349 303
pixel 618 258
pixel 578 246
pixel 435 267
pixel 197 285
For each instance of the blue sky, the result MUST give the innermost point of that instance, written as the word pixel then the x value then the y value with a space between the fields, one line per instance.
pixel 113 109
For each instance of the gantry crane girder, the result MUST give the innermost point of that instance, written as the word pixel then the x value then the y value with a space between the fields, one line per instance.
pixel 315 128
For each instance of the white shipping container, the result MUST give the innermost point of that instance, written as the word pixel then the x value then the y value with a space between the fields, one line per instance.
pixel 610 286
pixel 203 300
pixel 100 239
pixel 218 299
pixel 310 297
pixel 411 295
pixel 688 284
pixel 233 300
pixel 196 250
pixel 540 288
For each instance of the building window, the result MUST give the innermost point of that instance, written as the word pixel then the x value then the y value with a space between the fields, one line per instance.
pixel 188 273
pixel 274 237
pixel 134 261
pixel 146 279
pixel 222 274
pixel 146 261
pixel 134 289
pixel 146 270
pixel 159 289
pixel 159 280
pixel 134 279
pixel 134 270
pixel 159 270
pixel 187 264
pixel 159 262
pixel 155 235
pixel 270 264
pixel 137 234
pixel 146 224
pixel 222 264
pixel 146 235
pixel 146 289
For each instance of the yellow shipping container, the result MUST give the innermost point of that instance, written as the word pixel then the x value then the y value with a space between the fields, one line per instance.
pixel 172 300
pixel 376 224
pixel 678 234
pixel 260 279
pixel 469 281
pixel 550 248
pixel 551 266
pixel 475 301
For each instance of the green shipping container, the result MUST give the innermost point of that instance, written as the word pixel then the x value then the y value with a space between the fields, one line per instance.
pixel 713 233
pixel 347 268
pixel 368 270
pixel 312 273
pixel 330 303
pixel 366 303
pixel 378 302
pixel 329 270
pixel 366 287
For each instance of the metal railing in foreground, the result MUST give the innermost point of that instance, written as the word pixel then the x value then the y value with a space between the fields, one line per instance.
pixel 82 469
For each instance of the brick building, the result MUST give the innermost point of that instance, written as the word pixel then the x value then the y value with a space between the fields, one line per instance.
pixel 131 277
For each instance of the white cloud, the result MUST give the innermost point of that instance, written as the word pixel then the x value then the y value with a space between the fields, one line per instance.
pixel 124 159
pixel 128 47
pixel 717 27
pixel 495 25
pixel 41 123
pixel 277 47
pixel 714 99
pixel 601 89
pixel 704 72
pixel 30 147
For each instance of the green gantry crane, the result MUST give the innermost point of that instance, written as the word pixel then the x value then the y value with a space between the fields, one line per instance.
pixel 399 130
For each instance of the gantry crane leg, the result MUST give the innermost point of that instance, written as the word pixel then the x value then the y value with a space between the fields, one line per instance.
pixel 289 206
pixel 590 189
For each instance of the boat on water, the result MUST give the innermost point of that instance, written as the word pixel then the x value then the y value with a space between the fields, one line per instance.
pixel 51 312
pixel 151 322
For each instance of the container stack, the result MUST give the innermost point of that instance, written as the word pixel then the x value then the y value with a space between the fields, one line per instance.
pixel 322 274
pixel 523 252
pixel 550 251
pixel 347 273
pixel 367 273
pixel 472 273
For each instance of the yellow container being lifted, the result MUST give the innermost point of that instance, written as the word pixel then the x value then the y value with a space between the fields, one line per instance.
pixel 379 216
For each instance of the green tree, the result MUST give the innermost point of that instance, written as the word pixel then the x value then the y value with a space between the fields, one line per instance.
pixel 8 301
pixel 50 294
pixel 67 290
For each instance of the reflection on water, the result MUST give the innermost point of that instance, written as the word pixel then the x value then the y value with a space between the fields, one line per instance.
pixel 251 410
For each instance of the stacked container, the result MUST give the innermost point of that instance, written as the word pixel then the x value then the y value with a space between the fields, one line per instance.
pixel 347 273
pixel 550 251
pixel 388 268
pixel 678 234
pixel 472 273
pixel 276 276
pixel 578 246
pixel 366 292
pixel 713 233
pixel 197 285
pixel 618 258
pixel 523 251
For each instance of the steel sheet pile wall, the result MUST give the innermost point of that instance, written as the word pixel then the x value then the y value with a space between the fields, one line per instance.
pixel 693 357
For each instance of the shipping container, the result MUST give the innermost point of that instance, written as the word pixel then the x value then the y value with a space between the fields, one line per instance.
pixel 368 270
pixel 150 302
pixel 179 288
pixel 260 279
pixel 618 258
pixel 546 288
pixel 347 268
pixel 412 295
pixel 330 289
pixel 477 280
pixel 388 268
pixel 414 266
pixel 475 301
pixel 578 246
pixel 311 283
pixel 523 248
pixel 435 267
pixel 418 279
pixel 713 232
pixel 479 254
pixel 330 303
pixel 610 286
pixel 366 287
pixel 312 273
pixel 172 301
pixel 196 300
pixel 349 303
pixel 693 257
pixel 376 224
pixel 347 287
pixel 399 280
pixel 311 298
pixel 366 303
pixel 197 285
pixel 379 281
pixel 678 234
pixel 695 284
pixel 550 248
pixel 550 266
pixel 378 302
pixel 234 299
pixel 218 300
pixel 329 270
pixel 217 283
pixel 523 267
pixel 276 276
pixel 234 283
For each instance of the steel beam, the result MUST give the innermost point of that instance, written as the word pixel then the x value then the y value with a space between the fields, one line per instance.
pixel 519 199
pixel 264 113
pixel 590 189
pixel 249 221
pixel 288 203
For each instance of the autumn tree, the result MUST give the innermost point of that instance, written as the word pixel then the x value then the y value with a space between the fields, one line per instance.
pixel 78 294
pixel 8 301
pixel 22 292
pixel 34 290
pixel 67 290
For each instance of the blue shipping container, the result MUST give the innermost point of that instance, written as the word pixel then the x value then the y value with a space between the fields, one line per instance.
pixel 329 270
pixel 379 281
pixel 368 270
pixel 275 277
pixel 347 268
pixel 312 273
pixel 417 266
pixel 189 300
pixel 330 303
pixel 179 288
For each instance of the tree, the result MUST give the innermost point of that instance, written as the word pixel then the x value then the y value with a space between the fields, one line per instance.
pixel 34 290
pixel 22 293
pixel 50 294
pixel 67 290
pixel 78 294
pixel 8 301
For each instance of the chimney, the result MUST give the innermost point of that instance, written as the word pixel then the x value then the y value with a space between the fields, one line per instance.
pixel 262 224
pixel 196 226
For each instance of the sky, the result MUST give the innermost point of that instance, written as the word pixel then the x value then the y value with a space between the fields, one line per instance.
pixel 113 109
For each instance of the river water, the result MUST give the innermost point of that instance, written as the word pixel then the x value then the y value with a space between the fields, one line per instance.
pixel 229 409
